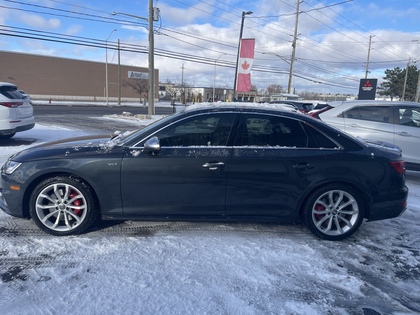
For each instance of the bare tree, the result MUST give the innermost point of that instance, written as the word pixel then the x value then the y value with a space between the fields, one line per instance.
pixel 274 88
pixel 138 85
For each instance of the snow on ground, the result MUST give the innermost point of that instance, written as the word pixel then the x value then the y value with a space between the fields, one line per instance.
pixel 207 268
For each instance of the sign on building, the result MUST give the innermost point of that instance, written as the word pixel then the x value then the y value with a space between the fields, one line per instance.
pixel 138 75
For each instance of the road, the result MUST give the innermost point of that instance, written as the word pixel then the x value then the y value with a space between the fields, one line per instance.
pixel 82 117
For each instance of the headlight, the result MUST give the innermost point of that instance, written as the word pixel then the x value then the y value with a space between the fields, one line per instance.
pixel 10 166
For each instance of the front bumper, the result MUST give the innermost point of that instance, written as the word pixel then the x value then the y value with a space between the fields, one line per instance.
pixel 10 200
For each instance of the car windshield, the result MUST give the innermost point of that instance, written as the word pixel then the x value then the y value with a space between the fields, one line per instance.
pixel 128 137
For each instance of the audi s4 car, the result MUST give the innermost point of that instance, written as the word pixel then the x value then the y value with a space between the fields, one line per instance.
pixel 215 163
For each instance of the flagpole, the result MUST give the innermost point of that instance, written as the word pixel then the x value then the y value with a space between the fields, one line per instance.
pixel 237 56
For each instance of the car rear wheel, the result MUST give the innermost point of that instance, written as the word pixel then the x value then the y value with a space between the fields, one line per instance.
pixel 63 205
pixel 334 212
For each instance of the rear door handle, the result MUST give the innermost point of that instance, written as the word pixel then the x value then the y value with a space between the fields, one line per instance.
pixel 213 165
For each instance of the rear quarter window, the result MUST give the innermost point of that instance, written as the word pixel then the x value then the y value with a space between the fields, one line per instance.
pixel 369 113
pixel 10 92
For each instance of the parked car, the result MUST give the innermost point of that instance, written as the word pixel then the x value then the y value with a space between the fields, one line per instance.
pixel 16 112
pixel 219 163
pixel 394 122
pixel 302 106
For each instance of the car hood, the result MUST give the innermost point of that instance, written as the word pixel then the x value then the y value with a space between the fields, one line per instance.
pixel 69 148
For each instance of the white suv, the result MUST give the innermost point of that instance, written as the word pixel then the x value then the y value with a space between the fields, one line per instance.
pixel 394 122
pixel 16 112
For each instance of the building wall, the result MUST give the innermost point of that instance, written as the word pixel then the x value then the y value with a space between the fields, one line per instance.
pixel 52 76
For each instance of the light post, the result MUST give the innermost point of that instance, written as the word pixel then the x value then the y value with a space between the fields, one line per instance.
pixel 239 47
pixel 214 77
pixel 150 19
pixel 106 66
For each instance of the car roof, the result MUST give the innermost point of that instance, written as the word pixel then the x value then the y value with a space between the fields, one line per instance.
pixel 373 103
pixel 8 84
pixel 238 106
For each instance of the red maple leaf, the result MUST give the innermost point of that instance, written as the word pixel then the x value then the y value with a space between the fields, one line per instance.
pixel 245 65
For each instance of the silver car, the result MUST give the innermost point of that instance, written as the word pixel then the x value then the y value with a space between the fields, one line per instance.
pixel 16 112
pixel 392 122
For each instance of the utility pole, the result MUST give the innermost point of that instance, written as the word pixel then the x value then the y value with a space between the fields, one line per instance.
pixel 182 84
pixel 151 105
pixel 405 79
pixel 119 73
pixel 289 85
pixel 368 56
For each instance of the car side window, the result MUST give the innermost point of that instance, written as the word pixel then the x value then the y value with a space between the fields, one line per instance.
pixel 272 131
pixel 201 130
pixel 370 113
pixel 409 116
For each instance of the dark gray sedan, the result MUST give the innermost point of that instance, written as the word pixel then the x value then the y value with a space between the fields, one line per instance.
pixel 220 163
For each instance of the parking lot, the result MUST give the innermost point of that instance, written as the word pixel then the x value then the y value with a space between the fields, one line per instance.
pixel 208 268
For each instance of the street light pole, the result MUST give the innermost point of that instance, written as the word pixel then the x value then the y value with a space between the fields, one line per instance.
pixel 151 57
pixel 214 77
pixel 239 47
pixel 106 66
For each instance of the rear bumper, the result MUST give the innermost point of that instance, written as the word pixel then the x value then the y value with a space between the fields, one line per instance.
pixel 17 129
pixel 392 208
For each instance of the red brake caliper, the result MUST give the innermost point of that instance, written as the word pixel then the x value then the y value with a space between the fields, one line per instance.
pixel 76 203
pixel 319 207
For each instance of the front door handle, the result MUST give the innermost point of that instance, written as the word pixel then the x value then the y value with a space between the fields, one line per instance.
pixel 213 165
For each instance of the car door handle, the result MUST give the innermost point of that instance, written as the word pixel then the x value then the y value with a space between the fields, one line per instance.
pixel 213 165
pixel 305 166
pixel 404 134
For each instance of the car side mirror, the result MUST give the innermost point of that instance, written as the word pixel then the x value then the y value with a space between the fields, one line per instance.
pixel 152 145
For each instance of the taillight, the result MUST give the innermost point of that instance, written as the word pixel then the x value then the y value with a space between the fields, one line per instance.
pixel 11 104
pixel 316 113
pixel 399 166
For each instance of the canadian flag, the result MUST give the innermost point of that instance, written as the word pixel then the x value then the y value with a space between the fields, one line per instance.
pixel 246 59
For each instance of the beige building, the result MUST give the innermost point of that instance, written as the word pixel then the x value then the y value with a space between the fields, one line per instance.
pixel 46 77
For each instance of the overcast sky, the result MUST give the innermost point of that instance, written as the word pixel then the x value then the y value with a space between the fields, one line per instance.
pixel 331 51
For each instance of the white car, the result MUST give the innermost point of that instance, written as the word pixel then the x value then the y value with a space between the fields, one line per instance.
pixel 393 122
pixel 16 112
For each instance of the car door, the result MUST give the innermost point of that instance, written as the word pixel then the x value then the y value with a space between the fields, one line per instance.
pixel 407 132
pixel 273 162
pixel 370 122
pixel 187 176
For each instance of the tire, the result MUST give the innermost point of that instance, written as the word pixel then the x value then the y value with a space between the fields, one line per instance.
pixel 63 205
pixel 333 212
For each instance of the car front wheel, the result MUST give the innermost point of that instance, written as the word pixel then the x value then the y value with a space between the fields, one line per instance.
pixel 63 205
pixel 334 212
